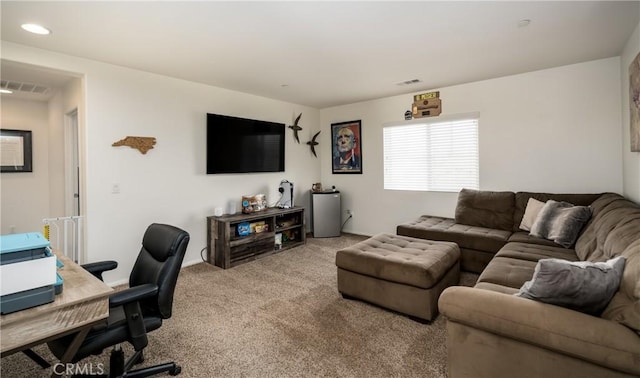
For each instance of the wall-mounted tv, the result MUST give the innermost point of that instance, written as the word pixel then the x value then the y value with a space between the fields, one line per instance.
pixel 240 145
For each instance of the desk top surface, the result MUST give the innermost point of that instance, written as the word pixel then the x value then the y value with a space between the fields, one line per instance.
pixel 84 301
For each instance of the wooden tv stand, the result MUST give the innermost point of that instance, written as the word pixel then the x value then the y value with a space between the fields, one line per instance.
pixel 226 248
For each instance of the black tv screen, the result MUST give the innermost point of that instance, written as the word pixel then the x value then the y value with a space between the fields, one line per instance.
pixel 240 145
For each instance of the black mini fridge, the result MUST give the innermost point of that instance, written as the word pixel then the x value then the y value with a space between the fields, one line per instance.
pixel 326 213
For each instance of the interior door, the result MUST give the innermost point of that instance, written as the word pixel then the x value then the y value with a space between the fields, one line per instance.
pixel 73 165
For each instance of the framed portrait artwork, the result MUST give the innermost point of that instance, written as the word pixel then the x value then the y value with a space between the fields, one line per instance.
pixel 634 103
pixel 15 151
pixel 346 148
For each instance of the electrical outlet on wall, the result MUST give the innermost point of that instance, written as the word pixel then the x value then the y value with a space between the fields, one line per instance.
pixel 349 212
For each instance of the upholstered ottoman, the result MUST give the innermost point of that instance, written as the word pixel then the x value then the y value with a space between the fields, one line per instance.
pixel 400 273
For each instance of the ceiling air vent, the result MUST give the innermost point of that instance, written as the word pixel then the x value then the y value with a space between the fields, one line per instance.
pixel 409 82
pixel 17 86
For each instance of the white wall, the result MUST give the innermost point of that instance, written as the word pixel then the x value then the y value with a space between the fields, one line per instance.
pixel 25 195
pixel 45 196
pixel 631 160
pixel 556 130
pixel 168 184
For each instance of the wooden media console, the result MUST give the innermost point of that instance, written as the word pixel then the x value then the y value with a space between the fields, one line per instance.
pixel 228 246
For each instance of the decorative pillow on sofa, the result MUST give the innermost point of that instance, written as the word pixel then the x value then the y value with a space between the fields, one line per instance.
pixel 560 222
pixel 530 213
pixel 582 286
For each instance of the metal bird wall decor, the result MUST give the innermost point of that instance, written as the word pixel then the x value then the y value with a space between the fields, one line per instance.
pixel 296 128
pixel 312 143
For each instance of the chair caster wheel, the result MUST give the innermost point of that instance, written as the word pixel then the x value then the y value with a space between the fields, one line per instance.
pixel 175 371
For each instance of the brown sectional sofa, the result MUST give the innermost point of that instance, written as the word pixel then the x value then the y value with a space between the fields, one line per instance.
pixel 485 222
pixel 493 333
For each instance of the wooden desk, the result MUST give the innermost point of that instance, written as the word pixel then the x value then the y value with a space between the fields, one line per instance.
pixel 84 302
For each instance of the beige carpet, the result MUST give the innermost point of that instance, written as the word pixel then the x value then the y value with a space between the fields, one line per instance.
pixel 280 316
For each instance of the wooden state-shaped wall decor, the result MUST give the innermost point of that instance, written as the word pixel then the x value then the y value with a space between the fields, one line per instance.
pixel 142 144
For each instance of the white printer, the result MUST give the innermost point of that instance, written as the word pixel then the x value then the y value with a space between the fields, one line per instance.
pixel 28 275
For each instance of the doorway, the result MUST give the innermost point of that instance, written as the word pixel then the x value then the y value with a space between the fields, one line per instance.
pixel 72 164
pixel 60 175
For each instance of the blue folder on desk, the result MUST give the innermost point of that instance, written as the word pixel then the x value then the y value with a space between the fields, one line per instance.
pixel 27 267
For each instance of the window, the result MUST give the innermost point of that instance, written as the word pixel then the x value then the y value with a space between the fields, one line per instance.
pixel 440 156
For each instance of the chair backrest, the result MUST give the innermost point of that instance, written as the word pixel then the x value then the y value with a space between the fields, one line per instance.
pixel 159 262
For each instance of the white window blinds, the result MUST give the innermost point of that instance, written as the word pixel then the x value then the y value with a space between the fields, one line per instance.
pixel 432 156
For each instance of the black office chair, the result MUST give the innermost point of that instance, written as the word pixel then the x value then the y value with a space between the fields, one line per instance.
pixel 140 308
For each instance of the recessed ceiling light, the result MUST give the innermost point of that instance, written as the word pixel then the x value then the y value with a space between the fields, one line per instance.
pixel 36 29
pixel 524 23
pixel 5 91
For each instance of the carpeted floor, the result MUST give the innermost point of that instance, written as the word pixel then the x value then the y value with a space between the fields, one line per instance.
pixel 279 316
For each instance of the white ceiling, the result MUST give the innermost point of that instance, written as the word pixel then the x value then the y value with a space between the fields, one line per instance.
pixel 323 54
pixel 26 76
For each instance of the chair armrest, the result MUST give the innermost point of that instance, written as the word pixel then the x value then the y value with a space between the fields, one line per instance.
pixel 597 340
pixel 130 299
pixel 132 294
pixel 97 268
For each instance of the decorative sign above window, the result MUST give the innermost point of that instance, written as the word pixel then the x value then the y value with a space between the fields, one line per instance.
pixel 426 105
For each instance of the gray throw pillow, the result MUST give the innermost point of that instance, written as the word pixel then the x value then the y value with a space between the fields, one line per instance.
pixel 560 222
pixel 582 286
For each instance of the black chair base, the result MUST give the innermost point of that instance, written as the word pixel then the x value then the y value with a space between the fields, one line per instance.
pixel 171 367
pixel 118 368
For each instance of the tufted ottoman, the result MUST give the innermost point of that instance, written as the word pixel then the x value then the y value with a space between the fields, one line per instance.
pixel 399 273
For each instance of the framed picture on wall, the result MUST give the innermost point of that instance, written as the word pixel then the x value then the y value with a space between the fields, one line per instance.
pixel 346 139
pixel 634 103
pixel 15 151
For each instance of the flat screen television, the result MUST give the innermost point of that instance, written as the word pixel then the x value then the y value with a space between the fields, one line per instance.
pixel 240 145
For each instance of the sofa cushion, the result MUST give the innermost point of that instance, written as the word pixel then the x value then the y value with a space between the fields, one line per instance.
pixel 522 198
pixel 485 209
pixel 446 229
pixel 536 252
pixel 624 310
pixel 614 225
pixel 560 222
pixel 506 271
pixel 583 286
pixel 615 231
pixel 515 263
pixel 525 237
pixel 531 213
